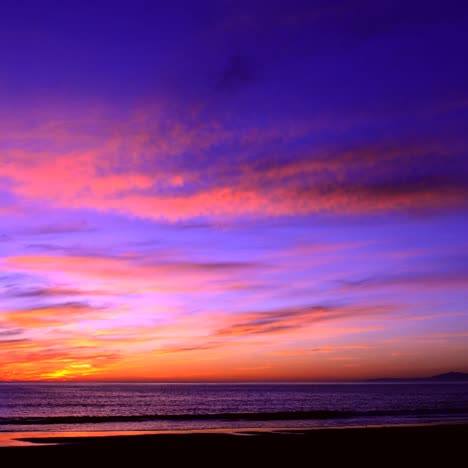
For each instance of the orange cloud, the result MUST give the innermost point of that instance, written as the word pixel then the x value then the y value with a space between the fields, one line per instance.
pixel 60 314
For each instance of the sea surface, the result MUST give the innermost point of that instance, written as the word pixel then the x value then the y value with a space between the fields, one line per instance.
pixel 169 407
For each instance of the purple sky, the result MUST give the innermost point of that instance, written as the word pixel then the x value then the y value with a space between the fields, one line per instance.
pixel 233 190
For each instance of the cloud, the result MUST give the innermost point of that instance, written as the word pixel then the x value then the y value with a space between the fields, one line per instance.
pixel 11 332
pixel 8 343
pixel 37 361
pixel 283 320
pixel 52 315
pixel 186 168
pixel 49 292
pixel 330 349
pixel 131 274
pixel 189 348
pixel 125 265
pixel 428 280
pixel 293 200
pixel 61 228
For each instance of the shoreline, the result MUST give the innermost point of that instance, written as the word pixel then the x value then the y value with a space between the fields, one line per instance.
pixel 36 438
pixel 47 438
pixel 369 446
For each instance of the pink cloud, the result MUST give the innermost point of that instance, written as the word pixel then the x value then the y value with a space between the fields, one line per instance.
pixel 146 165
pixel 126 274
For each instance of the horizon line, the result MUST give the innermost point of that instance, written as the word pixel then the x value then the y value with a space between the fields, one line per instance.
pixel 169 382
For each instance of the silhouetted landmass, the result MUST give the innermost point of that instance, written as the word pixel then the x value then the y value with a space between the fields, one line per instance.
pixel 447 377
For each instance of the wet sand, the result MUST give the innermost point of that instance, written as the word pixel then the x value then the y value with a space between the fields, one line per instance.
pixel 376 446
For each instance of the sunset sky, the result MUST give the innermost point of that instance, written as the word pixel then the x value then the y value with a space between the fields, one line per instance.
pixel 233 190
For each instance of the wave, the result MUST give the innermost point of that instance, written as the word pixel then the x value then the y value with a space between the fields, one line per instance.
pixel 261 416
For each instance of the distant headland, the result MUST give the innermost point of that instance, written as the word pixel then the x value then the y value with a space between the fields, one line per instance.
pixel 447 377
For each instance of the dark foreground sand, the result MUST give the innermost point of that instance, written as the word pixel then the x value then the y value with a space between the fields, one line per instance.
pixel 443 445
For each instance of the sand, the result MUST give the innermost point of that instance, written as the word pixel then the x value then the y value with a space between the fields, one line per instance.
pixel 444 445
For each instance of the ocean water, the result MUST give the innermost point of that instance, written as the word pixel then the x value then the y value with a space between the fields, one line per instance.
pixel 137 407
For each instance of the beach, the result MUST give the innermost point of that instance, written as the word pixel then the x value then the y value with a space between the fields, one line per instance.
pixel 368 424
pixel 369 446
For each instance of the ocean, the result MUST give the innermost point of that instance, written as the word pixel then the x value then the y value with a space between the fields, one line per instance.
pixel 83 407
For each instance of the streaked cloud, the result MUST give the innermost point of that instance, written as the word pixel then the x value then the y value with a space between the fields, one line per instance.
pixel 283 320
pixel 52 315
